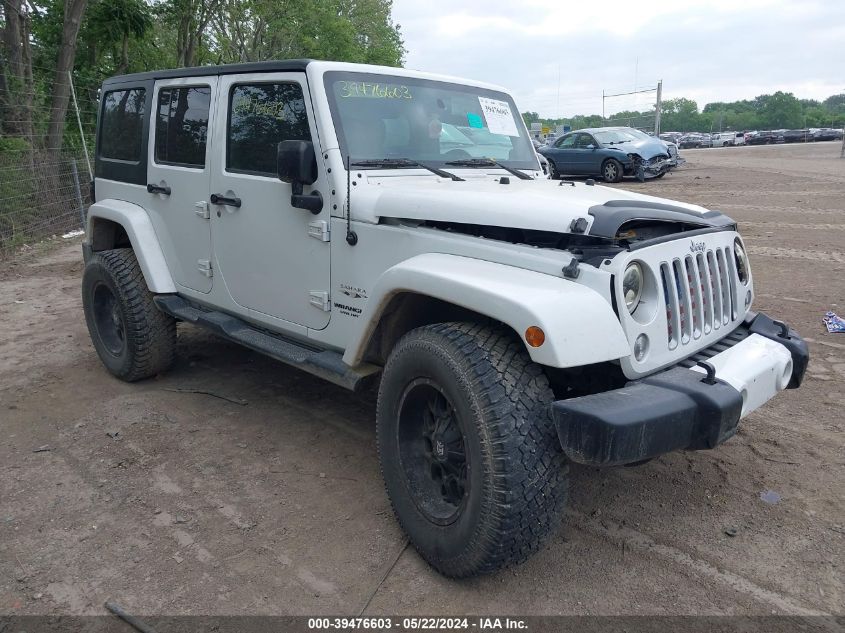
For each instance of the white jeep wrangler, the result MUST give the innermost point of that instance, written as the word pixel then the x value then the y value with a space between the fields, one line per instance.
pixel 361 222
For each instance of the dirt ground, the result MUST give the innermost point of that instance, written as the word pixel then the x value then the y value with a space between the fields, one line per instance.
pixel 172 502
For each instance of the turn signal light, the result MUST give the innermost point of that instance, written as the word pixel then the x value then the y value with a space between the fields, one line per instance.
pixel 534 336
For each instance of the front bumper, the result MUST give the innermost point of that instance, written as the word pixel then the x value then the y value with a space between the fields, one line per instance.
pixel 656 166
pixel 680 408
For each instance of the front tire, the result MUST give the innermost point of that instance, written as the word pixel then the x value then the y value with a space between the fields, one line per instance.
pixel 611 170
pixel 133 338
pixel 553 172
pixel 468 450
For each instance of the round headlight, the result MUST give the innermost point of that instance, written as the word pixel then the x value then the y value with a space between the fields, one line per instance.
pixel 632 286
pixel 741 261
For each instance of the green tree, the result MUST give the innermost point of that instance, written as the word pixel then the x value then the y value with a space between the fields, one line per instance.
pixel 530 117
pixel 781 110
pixel 680 115
pixel 114 24
pixel 346 30
pixel 835 103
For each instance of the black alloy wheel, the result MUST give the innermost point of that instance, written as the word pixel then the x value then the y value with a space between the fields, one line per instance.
pixel 432 453
pixel 109 320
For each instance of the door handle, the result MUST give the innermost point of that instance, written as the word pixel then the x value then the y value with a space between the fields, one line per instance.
pixel 162 189
pixel 216 198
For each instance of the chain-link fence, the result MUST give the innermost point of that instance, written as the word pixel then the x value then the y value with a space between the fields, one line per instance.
pixel 41 194
pixel 44 191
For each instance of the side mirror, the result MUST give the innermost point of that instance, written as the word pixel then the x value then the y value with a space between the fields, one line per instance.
pixel 296 163
pixel 591 146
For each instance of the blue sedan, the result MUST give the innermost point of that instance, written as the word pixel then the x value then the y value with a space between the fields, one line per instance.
pixel 609 153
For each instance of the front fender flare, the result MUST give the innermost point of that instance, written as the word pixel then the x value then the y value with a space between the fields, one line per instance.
pixel 580 326
pixel 142 236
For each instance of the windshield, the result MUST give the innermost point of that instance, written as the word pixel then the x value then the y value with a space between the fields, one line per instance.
pixel 384 116
pixel 608 137
pixel 639 134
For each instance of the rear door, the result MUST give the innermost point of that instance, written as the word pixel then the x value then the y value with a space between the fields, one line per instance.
pixel 178 176
pixel 583 156
pixel 562 154
pixel 273 258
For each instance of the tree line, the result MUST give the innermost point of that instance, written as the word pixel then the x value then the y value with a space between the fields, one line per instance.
pixel 45 40
pixel 781 110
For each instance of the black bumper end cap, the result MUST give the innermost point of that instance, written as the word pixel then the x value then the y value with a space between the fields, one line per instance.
pixel 87 252
pixel 670 411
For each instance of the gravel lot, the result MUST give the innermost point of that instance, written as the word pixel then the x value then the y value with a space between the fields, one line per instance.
pixel 172 502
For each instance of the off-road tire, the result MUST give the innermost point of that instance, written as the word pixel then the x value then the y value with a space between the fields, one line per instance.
pixel 145 340
pixel 611 170
pixel 517 474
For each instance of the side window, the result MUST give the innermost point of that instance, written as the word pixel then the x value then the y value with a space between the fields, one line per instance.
pixel 260 116
pixel 122 125
pixel 567 141
pixel 182 126
pixel 584 140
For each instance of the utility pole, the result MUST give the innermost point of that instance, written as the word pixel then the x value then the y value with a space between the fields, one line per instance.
pixel 602 106
pixel 557 114
pixel 657 110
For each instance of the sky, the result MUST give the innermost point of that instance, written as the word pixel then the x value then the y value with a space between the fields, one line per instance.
pixel 557 56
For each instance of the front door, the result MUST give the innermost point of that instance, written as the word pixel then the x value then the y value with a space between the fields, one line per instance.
pixel 272 257
pixel 178 176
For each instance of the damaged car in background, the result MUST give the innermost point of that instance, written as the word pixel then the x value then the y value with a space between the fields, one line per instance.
pixel 611 153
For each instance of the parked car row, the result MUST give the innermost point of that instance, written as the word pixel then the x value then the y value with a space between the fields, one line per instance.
pixel 827 134
pixel 765 137
pixel 694 141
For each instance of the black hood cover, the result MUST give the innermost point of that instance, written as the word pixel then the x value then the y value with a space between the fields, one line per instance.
pixel 610 217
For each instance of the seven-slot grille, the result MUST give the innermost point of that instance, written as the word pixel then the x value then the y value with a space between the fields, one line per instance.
pixel 700 294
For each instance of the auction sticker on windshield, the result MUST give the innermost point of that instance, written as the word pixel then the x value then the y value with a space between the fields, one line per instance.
pixel 498 116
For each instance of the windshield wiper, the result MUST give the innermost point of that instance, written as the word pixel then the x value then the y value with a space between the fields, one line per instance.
pixel 398 163
pixel 488 162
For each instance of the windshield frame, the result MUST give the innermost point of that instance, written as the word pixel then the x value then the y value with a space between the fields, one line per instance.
pixel 330 77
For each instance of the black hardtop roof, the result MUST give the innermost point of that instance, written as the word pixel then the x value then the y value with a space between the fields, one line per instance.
pixel 203 71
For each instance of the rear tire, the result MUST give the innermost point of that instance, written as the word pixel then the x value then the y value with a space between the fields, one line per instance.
pixel 611 170
pixel 469 454
pixel 133 338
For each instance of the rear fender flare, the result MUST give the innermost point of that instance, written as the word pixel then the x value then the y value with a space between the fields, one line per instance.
pixel 142 236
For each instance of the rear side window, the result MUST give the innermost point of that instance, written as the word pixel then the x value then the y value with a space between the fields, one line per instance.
pixel 122 127
pixel 182 126
pixel 260 116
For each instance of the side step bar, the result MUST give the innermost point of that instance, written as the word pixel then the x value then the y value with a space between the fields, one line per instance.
pixel 323 363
